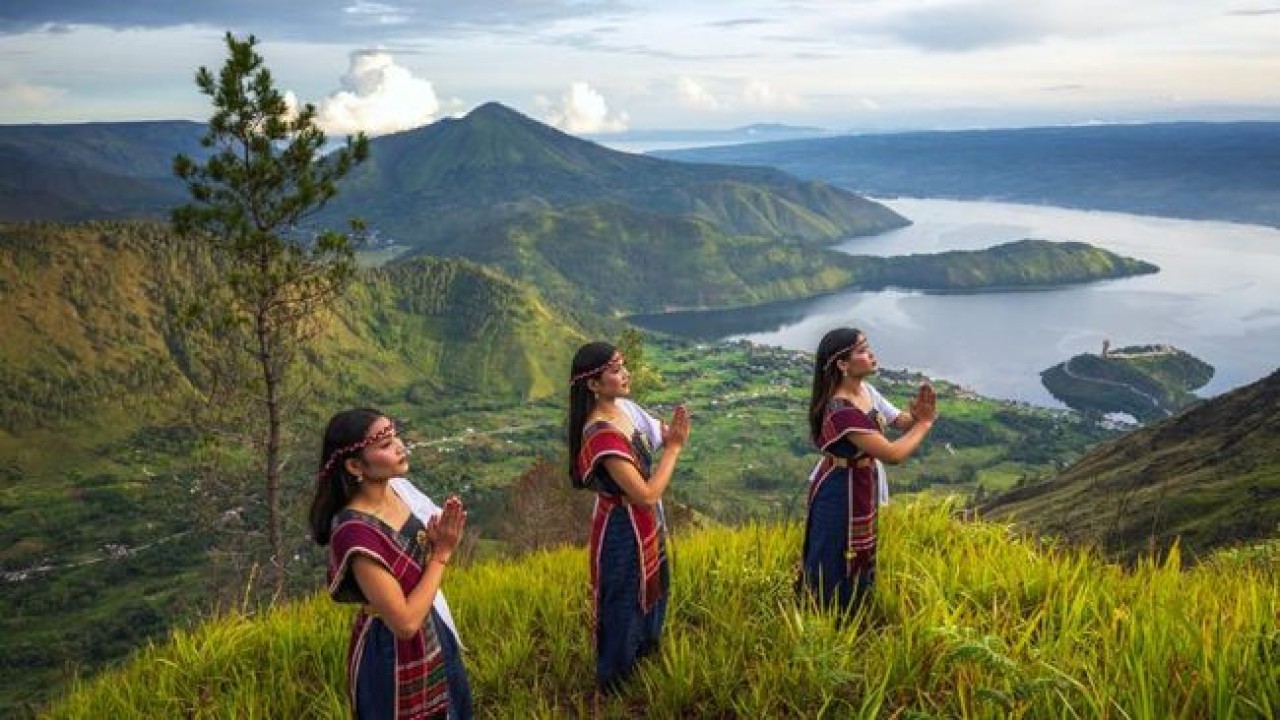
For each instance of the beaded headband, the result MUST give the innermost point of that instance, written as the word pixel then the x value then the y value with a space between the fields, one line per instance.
pixel 361 444
pixel 861 341
pixel 615 361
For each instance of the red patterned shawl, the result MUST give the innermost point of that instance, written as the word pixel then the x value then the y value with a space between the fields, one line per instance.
pixel 421 687
pixel 601 440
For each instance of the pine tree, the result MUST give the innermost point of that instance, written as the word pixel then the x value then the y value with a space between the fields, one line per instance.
pixel 265 177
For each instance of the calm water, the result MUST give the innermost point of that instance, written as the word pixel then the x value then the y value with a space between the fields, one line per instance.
pixel 1217 296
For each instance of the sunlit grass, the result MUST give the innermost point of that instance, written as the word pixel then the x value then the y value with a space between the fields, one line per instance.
pixel 968 621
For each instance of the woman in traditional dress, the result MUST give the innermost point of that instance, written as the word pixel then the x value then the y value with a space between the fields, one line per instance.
pixel 839 557
pixel 403 660
pixel 610 455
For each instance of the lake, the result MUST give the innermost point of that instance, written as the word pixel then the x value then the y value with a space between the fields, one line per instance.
pixel 1217 296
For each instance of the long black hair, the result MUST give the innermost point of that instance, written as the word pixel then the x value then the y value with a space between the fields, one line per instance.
pixel 835 345
pixel 335 485
pixel 587 363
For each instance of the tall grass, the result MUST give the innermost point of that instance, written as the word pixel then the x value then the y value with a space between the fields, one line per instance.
pixel 968 621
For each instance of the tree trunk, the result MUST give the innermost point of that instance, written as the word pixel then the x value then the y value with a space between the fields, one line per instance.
pixel 271 380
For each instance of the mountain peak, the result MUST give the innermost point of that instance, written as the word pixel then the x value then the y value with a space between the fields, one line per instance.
pixel 495 109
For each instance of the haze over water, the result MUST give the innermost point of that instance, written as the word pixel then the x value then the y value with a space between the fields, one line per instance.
pixel 1217 296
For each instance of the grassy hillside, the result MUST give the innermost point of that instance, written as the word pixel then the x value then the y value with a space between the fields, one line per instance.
pixel 1208 475
pixel 967 622
pixel 1210 171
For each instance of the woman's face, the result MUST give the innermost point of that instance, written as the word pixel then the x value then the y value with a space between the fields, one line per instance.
pixel 385 456
pixel 861 360
pixel 615 380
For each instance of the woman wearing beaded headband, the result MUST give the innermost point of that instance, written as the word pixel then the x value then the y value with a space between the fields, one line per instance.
pixel 404 657
pixel 611 455
pixel 839 556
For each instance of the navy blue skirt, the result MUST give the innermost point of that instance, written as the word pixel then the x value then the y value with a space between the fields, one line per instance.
pixel 624 634
pixel 375 686
pixel 826 540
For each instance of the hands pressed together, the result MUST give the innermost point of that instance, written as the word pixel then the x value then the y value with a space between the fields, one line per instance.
pixel 444 531
pixel 925 405
pixel 676 433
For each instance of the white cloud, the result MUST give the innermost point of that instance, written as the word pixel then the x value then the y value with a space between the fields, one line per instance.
pixel 581 110
pixel 375 13
pixel 26 95
pixel 760 94
pixel 378 97
pixel 693 95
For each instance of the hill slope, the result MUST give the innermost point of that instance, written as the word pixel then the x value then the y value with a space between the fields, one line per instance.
pixel 1210 475
pixel 1218 171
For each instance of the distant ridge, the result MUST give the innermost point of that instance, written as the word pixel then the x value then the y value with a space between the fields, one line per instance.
pixel 1210 476
pixel 1206 171
pixel 89 171
pixel 756 132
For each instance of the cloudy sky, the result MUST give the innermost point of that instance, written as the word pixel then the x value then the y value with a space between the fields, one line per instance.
pixel 616 65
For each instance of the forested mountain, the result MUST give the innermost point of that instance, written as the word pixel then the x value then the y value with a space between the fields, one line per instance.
pixel 93 171
pixel 1209 171
pixel 1210 475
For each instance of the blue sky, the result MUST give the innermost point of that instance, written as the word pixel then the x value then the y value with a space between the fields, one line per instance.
pixel 614 65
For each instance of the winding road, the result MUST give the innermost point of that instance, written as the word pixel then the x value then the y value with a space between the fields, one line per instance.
pixel 1066 368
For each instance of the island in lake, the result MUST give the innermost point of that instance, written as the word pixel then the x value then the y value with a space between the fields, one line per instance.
pixel 1145 381
pixel 1027 264
pixel 1023 265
